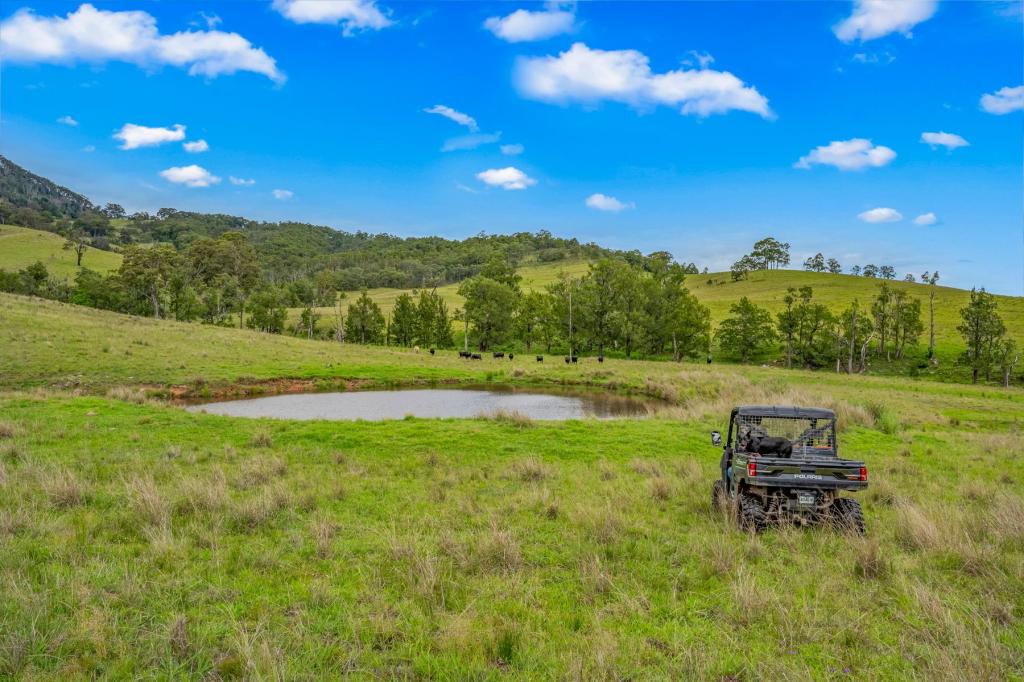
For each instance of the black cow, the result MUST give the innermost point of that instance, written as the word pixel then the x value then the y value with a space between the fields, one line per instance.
pixel 510 356
pixel 768 445
pixel 499 354
pixel 540 358
pixel 475 356
pixel 600 358
pixel 433 350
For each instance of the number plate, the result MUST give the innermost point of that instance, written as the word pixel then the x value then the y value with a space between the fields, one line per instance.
pixel 806 499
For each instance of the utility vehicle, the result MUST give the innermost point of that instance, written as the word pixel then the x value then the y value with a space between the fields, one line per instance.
pixel 782 464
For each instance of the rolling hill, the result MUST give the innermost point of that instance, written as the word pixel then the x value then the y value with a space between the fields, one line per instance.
pixel 766 289
pixel 21 247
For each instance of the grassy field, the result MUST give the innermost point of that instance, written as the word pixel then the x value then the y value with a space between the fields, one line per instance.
pixel 21 247
pixel 138 540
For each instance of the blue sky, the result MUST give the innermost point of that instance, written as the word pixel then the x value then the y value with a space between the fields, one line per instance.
pixel 692 127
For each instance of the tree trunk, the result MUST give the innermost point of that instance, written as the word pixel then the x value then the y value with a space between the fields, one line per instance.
pixel 931 335
pixel 156 302
pixel 853 340
pixel 675 348
pixel 974 375
pixel 465 333
pixel 241 311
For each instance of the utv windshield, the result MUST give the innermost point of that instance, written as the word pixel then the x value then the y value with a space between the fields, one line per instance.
pixel 809 436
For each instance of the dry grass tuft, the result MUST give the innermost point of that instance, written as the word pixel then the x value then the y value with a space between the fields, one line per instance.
pixel 595 576
pixel 510 417
pixel 128 394
pixel 645 467
pixel 261 439
pixel 605 525
pixel 498 550
pixel 173 452
pixel 323 530
pixel 9 430
pixel 1006 519
pixel 689 470
pixel 64 489
pixel 661 389
pixel 530 470
pixel 721 554
pixel 868 561
pixel 255 511
pixel 915 529
pixel 10 452
pixel 661 488
pixel 258 471
pixel 147 501
pixel 204 495
pixel 882 493
pixel 178 639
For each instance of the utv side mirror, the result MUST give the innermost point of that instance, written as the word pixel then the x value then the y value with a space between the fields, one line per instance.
pixel 716 438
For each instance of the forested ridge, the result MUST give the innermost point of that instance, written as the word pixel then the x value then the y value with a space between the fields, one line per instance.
pixel 286 250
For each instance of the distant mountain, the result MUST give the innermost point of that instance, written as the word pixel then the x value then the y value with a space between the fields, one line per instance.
pixel 28 190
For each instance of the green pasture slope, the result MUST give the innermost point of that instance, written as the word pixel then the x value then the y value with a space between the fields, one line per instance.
pixel 138 540
pixel 21 247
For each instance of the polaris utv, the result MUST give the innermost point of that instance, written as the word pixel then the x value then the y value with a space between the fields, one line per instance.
pixel 782 464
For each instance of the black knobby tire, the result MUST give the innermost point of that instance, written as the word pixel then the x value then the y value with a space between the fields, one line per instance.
pixel 847 516
pixel 719 498
pixel 751 514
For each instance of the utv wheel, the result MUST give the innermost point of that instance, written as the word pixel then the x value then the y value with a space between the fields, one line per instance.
pixel 846 516
pixel 719 498
pixel 751 513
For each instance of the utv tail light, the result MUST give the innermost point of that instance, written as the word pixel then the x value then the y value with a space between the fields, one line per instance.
pixel 864 473
pixel 752 469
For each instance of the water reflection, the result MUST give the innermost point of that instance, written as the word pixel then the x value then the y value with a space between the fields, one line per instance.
pixel 535 403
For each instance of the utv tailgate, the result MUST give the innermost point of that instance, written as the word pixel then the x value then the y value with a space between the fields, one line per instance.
pixel 808 472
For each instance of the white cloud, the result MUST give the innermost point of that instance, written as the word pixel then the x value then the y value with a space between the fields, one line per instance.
pixel 1004 100
pixel 352 15
pixel 948 140
pixel 855 154
pixel 926 219
pixel 880 215
pixel 241 182
pixel 586 75
pixel 196 147
pixel 470 141
pixel 134 136
pixel 283 194
pixel 512 149
pixel 96 36
pixel 453 115
pixel 506 178
pixel 212 20
pixel 603 202
pixel 190 176
pixel 68 121
pixel 876 18
pixel 88 148
pixel 526 25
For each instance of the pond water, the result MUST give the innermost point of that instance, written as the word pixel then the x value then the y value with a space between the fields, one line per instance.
pixel 535 403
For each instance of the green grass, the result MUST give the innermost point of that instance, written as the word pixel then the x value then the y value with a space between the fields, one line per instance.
pixel 21 247
pixel 138 540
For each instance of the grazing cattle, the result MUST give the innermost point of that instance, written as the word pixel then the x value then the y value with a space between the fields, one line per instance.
pixel 540 358
pixel 600 358
pixel 768 445
pixel 476 356
pixel 465 354
pixel 499 354
pixel 433 350
pixel 709 359
pixel 567 359
pixel 571 358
